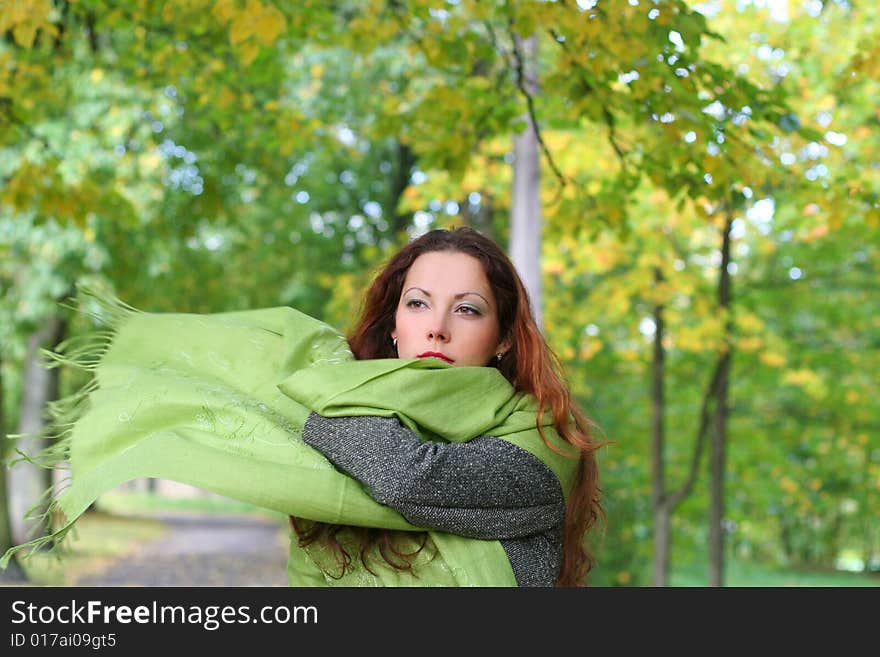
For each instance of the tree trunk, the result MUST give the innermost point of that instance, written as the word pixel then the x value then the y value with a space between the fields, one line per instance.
pixel 870 549
pixel 403 171
pixel 27 482
pixel 525 220
pixel 664 499
pixel 659 504
pixel 719 433
pixel 13 572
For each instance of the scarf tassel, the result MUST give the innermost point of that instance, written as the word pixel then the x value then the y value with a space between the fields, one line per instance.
pixel 84 353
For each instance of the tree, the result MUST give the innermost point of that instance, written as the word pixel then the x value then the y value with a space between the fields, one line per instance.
pixel 13 572
pixel 525 219
pixel 29 506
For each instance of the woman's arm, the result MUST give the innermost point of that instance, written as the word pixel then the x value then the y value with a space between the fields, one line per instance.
pixel 485 488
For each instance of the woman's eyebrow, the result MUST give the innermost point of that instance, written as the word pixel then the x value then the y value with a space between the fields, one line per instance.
pixel 464 294
pixel 457 296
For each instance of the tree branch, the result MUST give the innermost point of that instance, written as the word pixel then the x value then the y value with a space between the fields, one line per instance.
pixel 521 84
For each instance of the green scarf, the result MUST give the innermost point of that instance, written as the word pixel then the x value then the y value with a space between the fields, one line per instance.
pixel 218 401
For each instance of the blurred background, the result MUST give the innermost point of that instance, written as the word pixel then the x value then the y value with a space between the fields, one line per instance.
pixel 691 192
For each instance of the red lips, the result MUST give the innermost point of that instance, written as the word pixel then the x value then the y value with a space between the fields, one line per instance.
pixel 436 354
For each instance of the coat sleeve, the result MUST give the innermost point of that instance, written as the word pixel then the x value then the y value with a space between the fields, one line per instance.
pixel 485 488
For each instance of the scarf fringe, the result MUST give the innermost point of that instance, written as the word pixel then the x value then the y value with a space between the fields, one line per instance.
pixel 51 543
pixel 82 352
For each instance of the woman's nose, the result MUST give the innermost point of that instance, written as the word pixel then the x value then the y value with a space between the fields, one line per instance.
pixel 438 330
pixel 438 334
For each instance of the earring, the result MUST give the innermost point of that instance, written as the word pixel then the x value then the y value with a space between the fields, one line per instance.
pixel 499 356
pixel 394 342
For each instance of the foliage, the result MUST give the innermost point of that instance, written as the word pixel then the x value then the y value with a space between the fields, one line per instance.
pixel 207 155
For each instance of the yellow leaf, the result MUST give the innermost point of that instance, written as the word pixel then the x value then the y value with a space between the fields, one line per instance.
pixel 25 17
pixel 553 266
pixel 248 52
pixel 12 15
pixel 269 25
pixel 287 146
pixel 223 10
pixel 749 323
pixel 788 484
pixel 772 359
pixel 835 217
pixel 592 348
pixel 807 379
pixel 242 28
pixel 24 34
pixel 50 30
pixel 750 344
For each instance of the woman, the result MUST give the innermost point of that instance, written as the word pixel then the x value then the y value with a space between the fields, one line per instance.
pixel 454 440
pixel 454 295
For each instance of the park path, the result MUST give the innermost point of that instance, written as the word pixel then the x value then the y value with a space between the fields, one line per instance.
pixel 203 550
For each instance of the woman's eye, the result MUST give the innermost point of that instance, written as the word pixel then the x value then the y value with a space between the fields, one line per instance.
pixel 469 310
pixel 415 303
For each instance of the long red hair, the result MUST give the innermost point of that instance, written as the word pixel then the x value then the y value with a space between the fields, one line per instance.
pixel 529 365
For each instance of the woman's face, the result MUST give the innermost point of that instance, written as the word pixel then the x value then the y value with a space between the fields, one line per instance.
pixel 447 310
